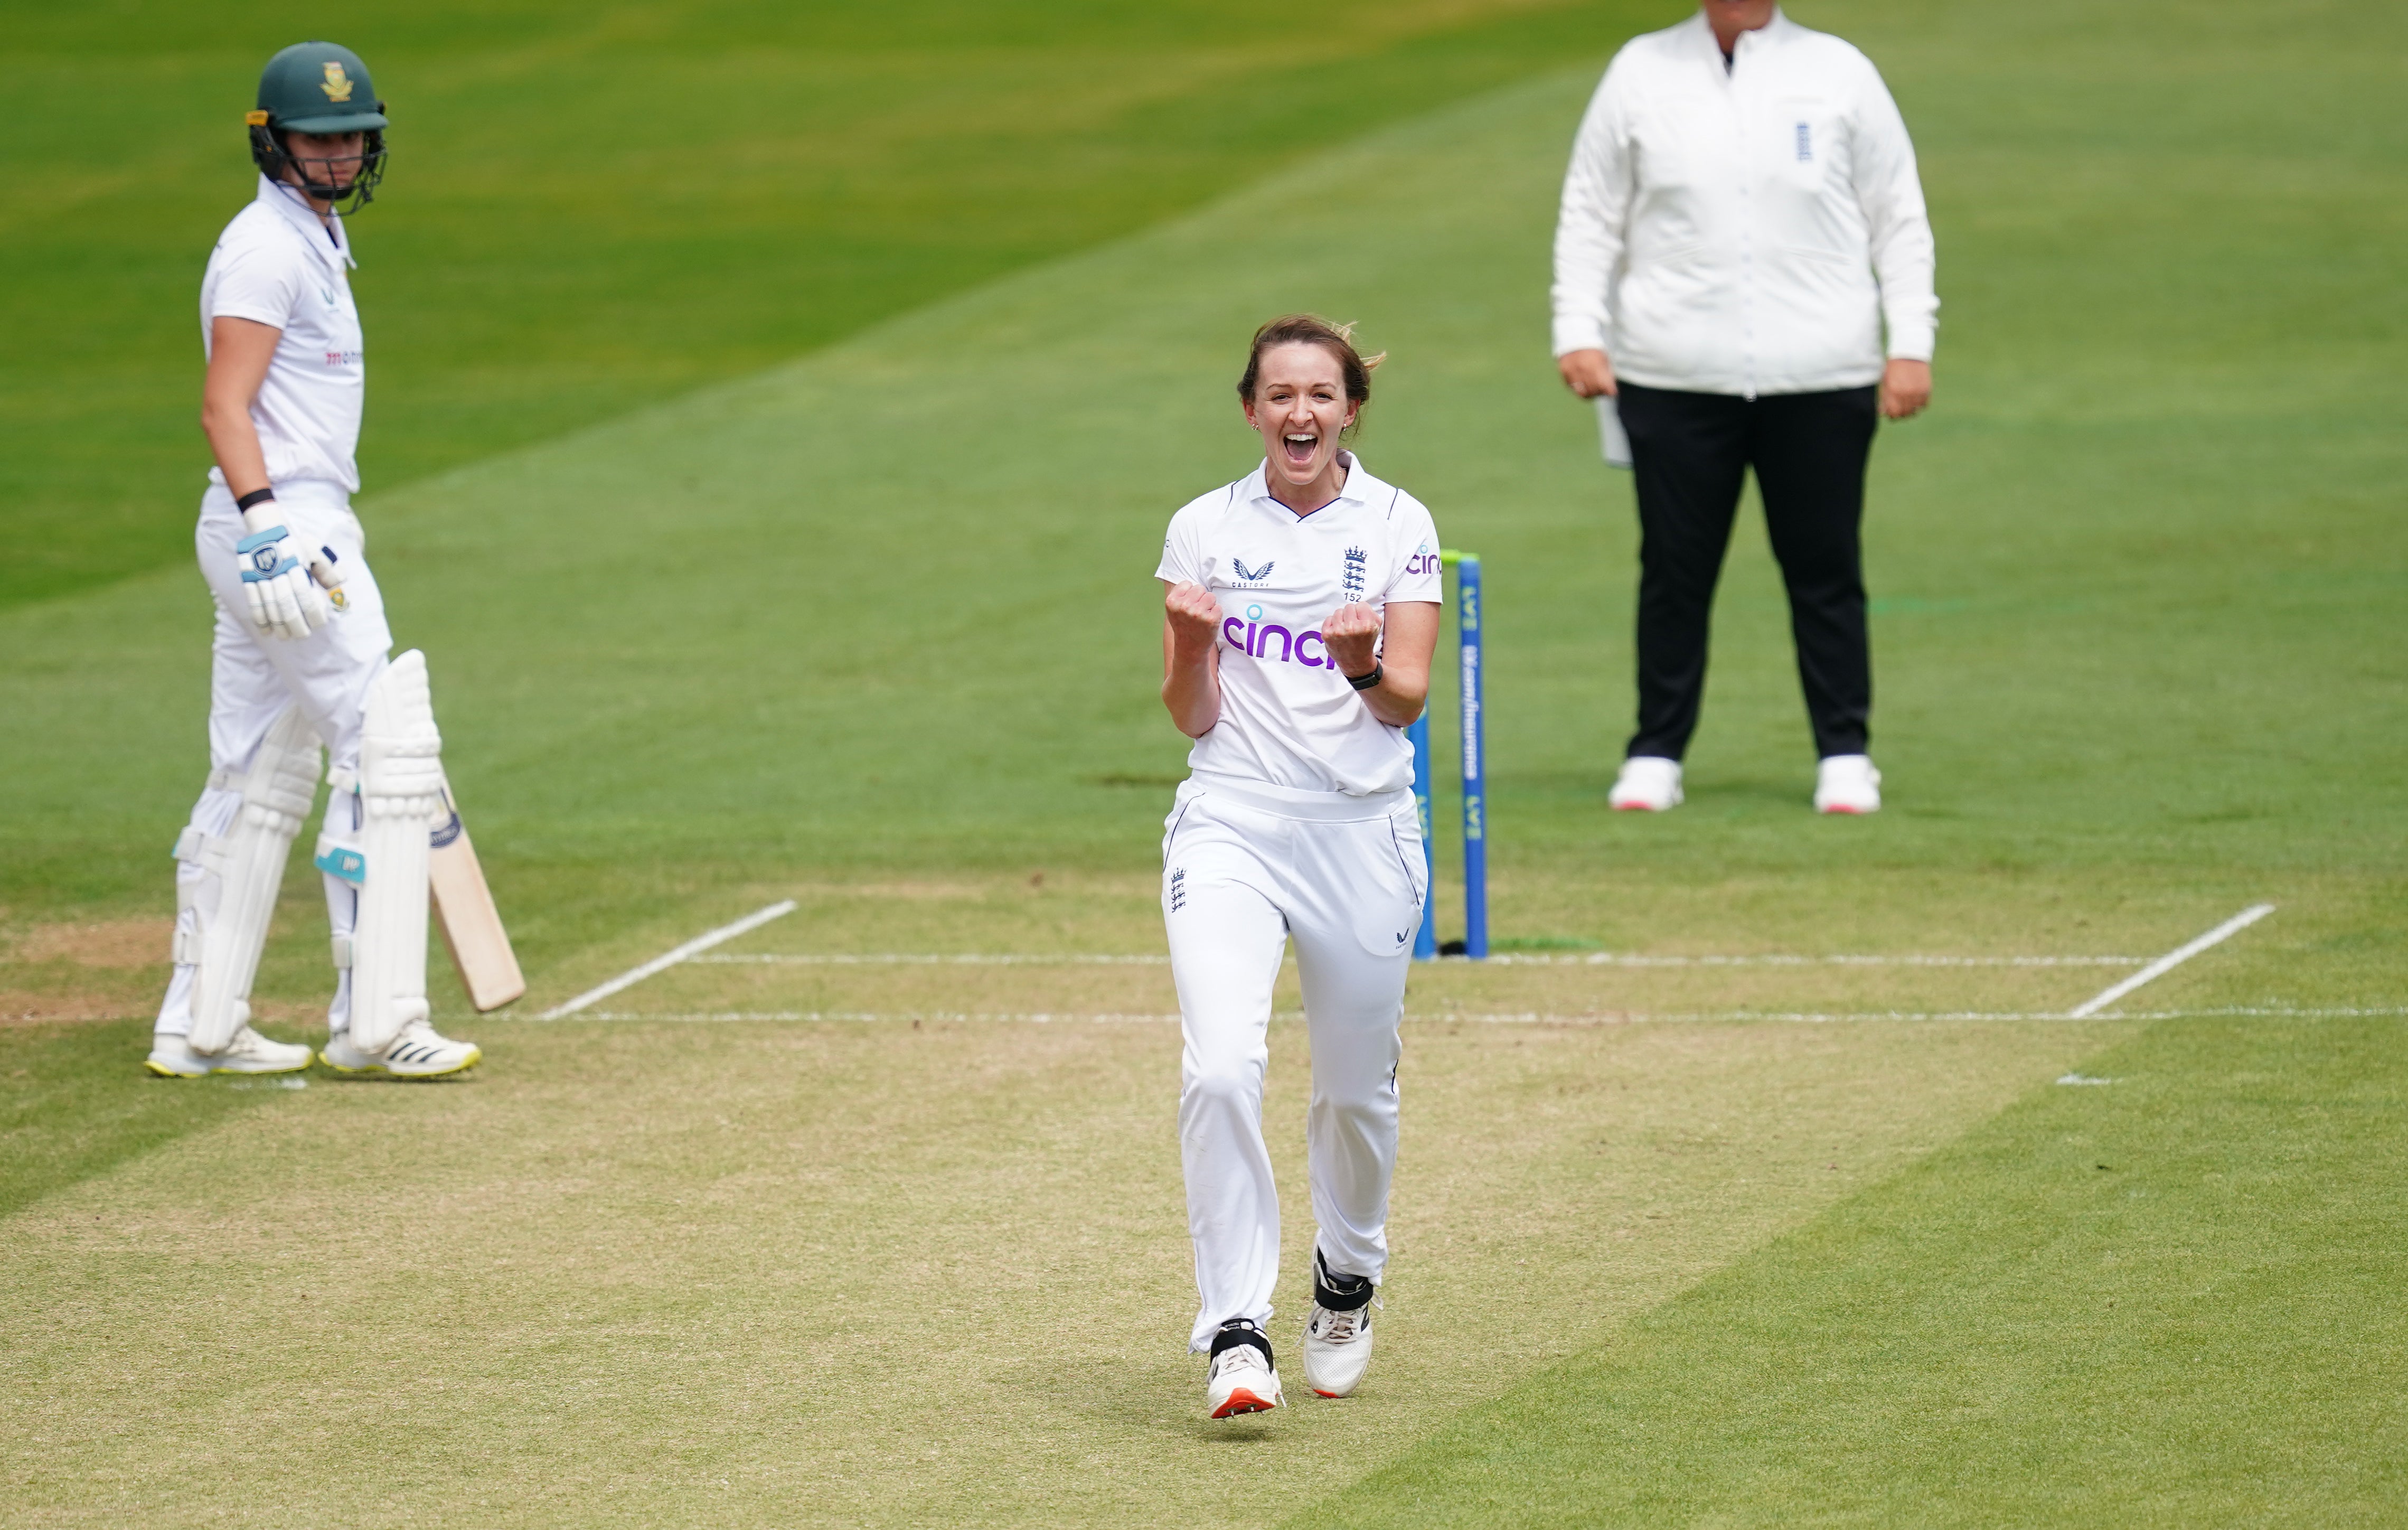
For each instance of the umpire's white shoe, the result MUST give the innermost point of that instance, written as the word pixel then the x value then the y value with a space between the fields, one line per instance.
pixel 1243 1379
pixel 1338 1335
pixel 1649 783
pixel 173 1057
pixel 417 1052
pixel 1847 783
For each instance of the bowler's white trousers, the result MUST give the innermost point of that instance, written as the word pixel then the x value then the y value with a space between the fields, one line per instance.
pixel 254 677
pixel 1245 867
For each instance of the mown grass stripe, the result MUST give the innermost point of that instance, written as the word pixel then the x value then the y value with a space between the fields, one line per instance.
pixel 2172 1301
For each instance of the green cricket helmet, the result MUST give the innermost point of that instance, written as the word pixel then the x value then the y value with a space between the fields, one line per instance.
pixel 320 87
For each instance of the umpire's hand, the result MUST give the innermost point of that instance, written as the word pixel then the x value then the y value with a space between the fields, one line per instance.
pixel 1905 388
pixel 1587 373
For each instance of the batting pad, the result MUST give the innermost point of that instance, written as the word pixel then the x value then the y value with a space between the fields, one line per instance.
pixel 401 795
pixel 248 863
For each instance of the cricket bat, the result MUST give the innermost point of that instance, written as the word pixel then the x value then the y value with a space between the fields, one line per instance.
pixel 472 926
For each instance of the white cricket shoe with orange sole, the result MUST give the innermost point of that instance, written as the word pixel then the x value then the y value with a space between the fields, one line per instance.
pixel 1847 783
pixel 1649 783
pixel 1338 1335
pixel 1243 1377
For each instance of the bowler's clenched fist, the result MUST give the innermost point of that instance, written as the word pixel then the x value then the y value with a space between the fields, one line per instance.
pixel 1351 635
pixel 1195 616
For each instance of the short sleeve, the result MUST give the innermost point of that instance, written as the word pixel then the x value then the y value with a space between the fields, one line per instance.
pixel 258 281
pixel 1417 575
pixel 1182 560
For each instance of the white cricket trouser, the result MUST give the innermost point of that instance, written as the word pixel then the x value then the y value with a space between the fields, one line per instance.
pixel 1245 867
pixel 253 676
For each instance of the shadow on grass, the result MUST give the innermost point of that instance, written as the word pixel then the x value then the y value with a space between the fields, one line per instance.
pixel 75 1102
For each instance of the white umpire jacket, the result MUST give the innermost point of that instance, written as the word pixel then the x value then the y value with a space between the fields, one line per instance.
pixel 1745 231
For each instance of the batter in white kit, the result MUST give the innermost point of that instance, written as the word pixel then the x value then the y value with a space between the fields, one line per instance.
pixel 299 657
pixel 1301 612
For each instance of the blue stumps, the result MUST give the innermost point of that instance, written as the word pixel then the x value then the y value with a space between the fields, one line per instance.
pixel 1426 942
pixel 1474 944
pixel 1475 759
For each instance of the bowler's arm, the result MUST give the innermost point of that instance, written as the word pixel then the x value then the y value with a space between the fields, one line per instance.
pixel 1191 657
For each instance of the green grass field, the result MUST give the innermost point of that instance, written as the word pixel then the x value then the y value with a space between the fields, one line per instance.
pixel 870 628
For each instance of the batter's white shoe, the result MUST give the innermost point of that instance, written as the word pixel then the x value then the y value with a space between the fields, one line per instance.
pixel 1649 783
pixel 1338 1335
pixel 417 1052
pixel 1243 1377
pixel 1847 783
pixel 173 1057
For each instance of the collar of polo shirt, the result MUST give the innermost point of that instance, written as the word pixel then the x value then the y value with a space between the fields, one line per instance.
pixel 1773 32
pixel 1258 483
pixel 330 244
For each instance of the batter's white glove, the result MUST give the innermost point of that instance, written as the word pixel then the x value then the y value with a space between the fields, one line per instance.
pixel 283 598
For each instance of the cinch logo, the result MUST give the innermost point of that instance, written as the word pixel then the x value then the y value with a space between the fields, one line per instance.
pixel 1252 636
pixel 1422 561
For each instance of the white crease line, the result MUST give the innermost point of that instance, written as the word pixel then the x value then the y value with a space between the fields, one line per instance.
pixel 934 959
pixel 2173 959
pixel 1504 959
pixel 1706 1018
pixel 874 1017
pixel 694 946
pixel 1610 959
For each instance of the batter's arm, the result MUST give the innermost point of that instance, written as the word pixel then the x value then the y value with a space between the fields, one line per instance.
pixel 240 351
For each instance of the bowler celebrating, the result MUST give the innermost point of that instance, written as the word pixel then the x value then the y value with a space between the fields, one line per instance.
pixel 1302 607
pixel 299 657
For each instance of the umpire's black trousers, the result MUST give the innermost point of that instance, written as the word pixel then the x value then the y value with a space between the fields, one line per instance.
pixel 1690 453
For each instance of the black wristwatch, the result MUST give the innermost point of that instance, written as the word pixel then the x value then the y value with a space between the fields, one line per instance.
pixel 1365 683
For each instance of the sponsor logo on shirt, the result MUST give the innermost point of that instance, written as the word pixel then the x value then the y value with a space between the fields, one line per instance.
pixel 1422 561
pixel 345 358
pixel 1254 636
pixel 1252 576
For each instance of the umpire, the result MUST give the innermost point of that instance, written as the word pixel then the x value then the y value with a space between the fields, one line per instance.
pixel 1741 222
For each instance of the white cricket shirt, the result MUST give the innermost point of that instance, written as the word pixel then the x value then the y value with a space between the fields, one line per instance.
pixel 276 264
pixel 1745 230
pixel 1287 716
